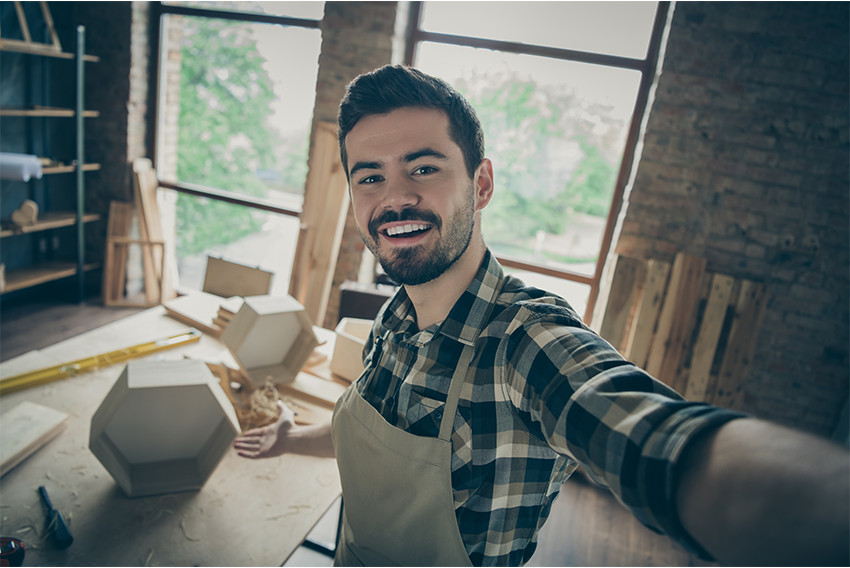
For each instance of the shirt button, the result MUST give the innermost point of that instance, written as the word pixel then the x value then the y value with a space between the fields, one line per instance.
pixel 438 415
pixel 390 402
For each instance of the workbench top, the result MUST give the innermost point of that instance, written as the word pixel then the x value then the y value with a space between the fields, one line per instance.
pixel 248 513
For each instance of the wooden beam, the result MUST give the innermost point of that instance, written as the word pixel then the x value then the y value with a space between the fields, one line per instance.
pixel 322 221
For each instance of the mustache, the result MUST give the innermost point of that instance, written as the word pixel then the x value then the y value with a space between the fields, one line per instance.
pixel 408 214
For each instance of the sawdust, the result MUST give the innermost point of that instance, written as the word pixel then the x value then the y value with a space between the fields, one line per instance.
pixel 185 533
pixel 255 407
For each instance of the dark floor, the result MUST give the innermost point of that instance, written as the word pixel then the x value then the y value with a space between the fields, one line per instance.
pixel 587 526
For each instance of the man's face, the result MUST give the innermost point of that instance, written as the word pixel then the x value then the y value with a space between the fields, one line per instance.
pixel 413 200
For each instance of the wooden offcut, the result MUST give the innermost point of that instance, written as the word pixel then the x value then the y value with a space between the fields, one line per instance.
pixel 200 310
pixel 25 429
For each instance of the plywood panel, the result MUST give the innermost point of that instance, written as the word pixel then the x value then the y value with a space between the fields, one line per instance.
pixel 226 279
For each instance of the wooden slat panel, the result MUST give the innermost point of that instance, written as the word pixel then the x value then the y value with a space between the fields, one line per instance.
pixel 628 274
pixel 749 312
pixel 120 214
pixel 676 318
pixel 649 306
pixel 709 334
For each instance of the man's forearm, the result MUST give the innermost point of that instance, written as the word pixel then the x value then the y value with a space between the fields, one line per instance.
pixel 314 440
pixel 754 493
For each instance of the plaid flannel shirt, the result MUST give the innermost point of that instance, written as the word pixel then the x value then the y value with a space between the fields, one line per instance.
pixel 546 394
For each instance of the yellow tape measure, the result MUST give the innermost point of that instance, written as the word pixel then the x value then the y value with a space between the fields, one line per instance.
pixel 49 374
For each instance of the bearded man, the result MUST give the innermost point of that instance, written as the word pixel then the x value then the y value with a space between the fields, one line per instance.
pixel 480 395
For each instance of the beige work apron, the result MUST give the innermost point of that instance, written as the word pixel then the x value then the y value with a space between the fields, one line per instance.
pixel 397 487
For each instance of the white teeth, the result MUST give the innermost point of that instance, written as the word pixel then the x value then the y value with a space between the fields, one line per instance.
pixel 399 230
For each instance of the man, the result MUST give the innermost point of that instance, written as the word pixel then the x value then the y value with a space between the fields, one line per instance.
pixel 480 396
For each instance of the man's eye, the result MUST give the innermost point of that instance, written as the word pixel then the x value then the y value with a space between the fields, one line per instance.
pixel 370 179
pixel 424 170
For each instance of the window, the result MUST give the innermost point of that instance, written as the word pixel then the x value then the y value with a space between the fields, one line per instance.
pixel 560 89
pixel 237 85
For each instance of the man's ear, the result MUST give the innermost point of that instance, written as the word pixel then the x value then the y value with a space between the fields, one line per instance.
pixel 483 184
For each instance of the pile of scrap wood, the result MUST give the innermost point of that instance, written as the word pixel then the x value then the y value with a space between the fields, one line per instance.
pixel 157 284
pixel 694 330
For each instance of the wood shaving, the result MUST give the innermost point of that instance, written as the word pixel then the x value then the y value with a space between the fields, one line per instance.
pixel 186 534
pixel 47 474
pixel 255 407
pixel 148 559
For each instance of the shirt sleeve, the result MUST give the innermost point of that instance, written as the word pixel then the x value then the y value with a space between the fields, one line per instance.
pixel 624 427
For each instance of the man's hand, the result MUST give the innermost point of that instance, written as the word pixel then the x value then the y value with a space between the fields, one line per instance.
pixel 286 437
pixel 268 441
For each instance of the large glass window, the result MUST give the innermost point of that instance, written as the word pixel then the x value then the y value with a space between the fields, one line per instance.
pixel 556 86
pixel 235 111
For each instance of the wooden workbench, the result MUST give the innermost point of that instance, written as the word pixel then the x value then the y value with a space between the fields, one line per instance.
pixel 249 513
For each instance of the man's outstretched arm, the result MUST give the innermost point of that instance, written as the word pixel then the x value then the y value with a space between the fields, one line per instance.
pixel 286 437
pixel 755 493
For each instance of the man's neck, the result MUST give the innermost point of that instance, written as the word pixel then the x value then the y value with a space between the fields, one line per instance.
pixel 435 299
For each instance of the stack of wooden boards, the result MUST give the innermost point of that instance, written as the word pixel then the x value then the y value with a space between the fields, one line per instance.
pixel 694 330
pixel 203 311
pixel 157 285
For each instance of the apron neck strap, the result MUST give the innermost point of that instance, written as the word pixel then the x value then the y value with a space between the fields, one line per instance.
pixel 458 379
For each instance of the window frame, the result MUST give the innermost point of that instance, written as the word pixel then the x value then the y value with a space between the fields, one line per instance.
pixel 158 11
pixel 646 66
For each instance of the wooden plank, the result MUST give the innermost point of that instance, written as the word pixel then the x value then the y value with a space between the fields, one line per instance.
pixel 709 334
pixel 749 312
pixel 47 112
pixel 115 265
pixel 628 274
pixel 199 309
pixel 25 429
pixel 314 389
pixel 49 220
pixel 323 220
pixel 149 272
pixel 226 279
pixel 646 315
pixel 676 318
pixel 68 169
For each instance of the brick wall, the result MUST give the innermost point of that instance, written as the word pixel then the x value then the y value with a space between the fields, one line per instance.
pixel 357 37
pixel 745 162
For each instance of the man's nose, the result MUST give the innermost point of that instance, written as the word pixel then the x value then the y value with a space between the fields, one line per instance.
pixel 400 194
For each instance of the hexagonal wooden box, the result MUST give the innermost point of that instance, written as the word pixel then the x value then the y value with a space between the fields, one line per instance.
pixel 163 427
pixel 270 337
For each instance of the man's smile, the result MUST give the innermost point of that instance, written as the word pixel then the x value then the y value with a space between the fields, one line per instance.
pixel 405 230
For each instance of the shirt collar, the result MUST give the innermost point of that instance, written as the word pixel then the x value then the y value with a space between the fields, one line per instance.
pixel 469 314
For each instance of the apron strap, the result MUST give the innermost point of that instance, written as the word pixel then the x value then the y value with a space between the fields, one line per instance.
pixel 458 379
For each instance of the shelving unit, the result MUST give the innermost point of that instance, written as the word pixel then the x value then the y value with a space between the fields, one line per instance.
pixel 36 273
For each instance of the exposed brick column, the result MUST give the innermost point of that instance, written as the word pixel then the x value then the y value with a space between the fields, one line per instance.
pixel 745 162
pixel 357 37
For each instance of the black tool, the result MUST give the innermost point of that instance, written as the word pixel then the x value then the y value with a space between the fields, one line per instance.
pixel 56 523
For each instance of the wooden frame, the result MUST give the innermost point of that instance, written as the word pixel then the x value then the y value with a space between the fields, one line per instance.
pixel 163 427
pixel 113 289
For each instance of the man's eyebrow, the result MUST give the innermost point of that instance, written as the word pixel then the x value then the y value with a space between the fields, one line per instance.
pixel 365 166
pixel 423 153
